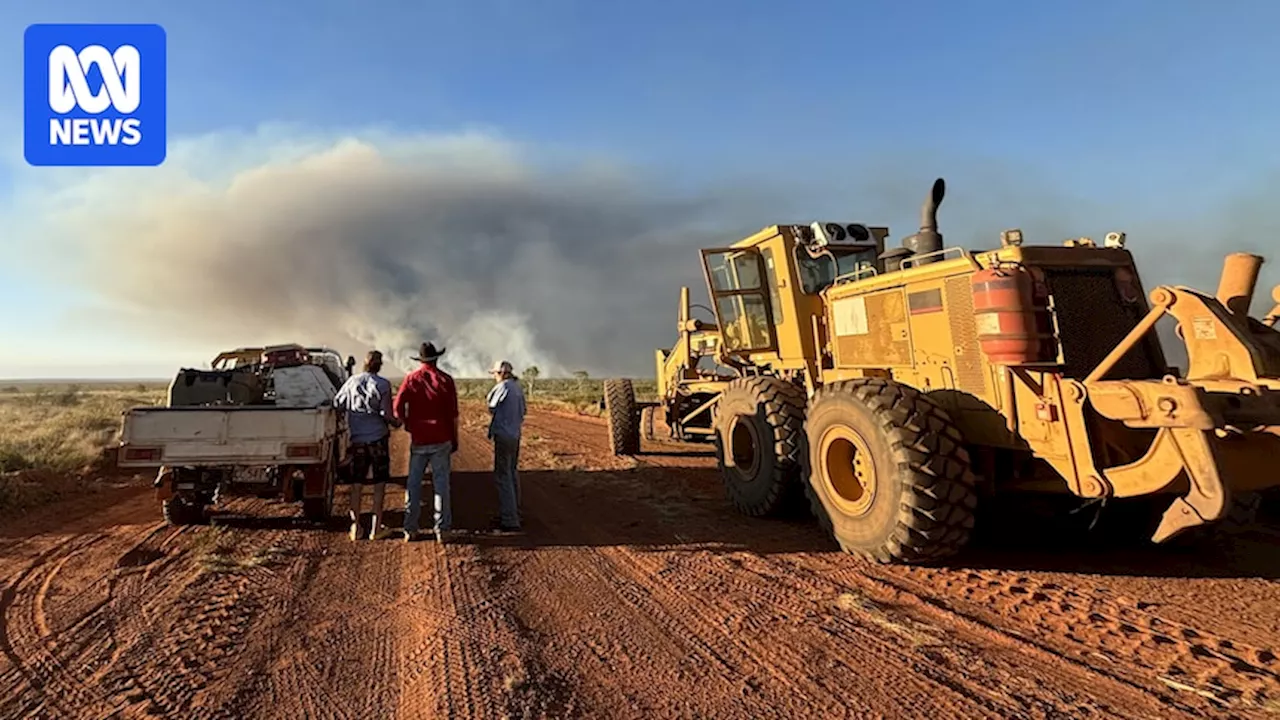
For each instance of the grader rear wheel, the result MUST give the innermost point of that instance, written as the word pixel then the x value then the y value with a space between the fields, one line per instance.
pixel 889 477
pixel 624 418
pixel 759 435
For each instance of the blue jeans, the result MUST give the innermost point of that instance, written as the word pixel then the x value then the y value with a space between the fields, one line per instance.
pixel 439 457
pixel 506 475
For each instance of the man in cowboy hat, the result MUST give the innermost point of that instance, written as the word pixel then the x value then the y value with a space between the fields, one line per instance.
pixel 506 405
pixel 427 404
pixel 366 400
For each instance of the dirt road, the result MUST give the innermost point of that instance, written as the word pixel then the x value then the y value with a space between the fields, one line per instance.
pixel 634 592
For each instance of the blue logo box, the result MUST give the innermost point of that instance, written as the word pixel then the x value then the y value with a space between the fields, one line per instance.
pixel 94 95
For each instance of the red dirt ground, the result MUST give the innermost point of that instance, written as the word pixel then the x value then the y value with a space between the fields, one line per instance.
pixel 635 591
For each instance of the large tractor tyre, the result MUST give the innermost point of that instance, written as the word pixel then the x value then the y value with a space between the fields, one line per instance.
pixel 759 440
pixel 180 511
pixel 647 421
pixel 624 417
pixel 889 476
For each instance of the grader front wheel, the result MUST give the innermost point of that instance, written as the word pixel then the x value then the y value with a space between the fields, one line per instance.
pixel 889 477
pixel 759 434
pixel 623 415
pixel 647 422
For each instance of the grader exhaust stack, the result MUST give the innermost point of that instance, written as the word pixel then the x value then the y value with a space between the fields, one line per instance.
pixel 928 241
pixel 897 388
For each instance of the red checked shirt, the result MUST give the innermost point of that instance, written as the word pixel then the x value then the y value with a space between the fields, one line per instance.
pixel 427 404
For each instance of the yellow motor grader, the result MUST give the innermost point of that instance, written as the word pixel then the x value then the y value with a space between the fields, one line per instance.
pixel 898 386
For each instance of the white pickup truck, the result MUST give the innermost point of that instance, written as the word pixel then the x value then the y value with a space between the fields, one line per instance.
pixel 260 423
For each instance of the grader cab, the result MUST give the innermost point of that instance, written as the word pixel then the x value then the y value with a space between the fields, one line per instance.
pixel 897 387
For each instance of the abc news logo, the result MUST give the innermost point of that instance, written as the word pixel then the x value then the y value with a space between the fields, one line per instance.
pixel 94 95
pixel 69 89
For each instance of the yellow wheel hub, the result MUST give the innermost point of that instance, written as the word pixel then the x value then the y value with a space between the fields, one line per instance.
pixel 742 446
pixel 848 469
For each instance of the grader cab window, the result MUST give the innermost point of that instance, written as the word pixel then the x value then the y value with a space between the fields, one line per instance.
pixel 821 272
pixel 771 278
pixel 736 281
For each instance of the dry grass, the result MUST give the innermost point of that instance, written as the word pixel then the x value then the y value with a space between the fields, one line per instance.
pixel 60 428
pixel 218 550
pixel 52 433
pixel 569 394
pixel 63 428
pixel 916 633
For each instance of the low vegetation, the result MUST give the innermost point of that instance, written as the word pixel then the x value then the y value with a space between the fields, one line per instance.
pixel 63 428
pixel 580 394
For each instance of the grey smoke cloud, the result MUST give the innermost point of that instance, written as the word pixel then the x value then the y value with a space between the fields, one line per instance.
pixel 388 242
pixel 380 240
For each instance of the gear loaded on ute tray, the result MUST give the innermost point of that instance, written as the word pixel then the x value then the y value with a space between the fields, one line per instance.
pixel 260 423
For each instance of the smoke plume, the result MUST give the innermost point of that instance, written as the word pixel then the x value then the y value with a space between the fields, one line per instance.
pixel 386 241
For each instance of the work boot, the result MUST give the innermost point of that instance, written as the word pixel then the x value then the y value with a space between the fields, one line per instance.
pixel 496 525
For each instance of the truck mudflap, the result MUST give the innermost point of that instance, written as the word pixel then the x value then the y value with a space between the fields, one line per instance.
pixel 163 483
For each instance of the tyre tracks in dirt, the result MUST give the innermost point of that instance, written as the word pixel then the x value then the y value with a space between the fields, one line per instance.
pixel 1016 643
pixel 740 633
pixel 635 591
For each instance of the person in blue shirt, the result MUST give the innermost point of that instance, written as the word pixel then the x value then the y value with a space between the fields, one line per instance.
pixel 366 401
pixel 506 405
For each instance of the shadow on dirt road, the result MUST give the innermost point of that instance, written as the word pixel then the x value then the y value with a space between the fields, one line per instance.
pixel 675 508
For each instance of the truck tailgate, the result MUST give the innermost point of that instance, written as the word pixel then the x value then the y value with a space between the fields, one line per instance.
pixel 225 436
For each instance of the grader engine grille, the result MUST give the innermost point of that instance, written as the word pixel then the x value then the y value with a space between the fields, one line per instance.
pixel 969 375
pixel 1092 320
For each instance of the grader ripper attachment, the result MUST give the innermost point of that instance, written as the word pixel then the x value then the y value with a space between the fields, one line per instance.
pixel 897 387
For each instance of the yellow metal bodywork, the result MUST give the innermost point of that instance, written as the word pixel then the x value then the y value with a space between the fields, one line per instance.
pixel 1199 436
pixel 801 344
pixel 1202 434
pixel 682 381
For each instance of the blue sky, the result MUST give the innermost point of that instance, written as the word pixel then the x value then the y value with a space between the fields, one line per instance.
pixel 1157 106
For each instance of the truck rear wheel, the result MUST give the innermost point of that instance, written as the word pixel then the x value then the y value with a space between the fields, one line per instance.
pixel 320 509
pixel 889 475
pixel 624 418
pixel 179 510
pixel 759 437
pixel 317 509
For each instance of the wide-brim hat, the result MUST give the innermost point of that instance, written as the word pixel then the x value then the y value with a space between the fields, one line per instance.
pixel 427 352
